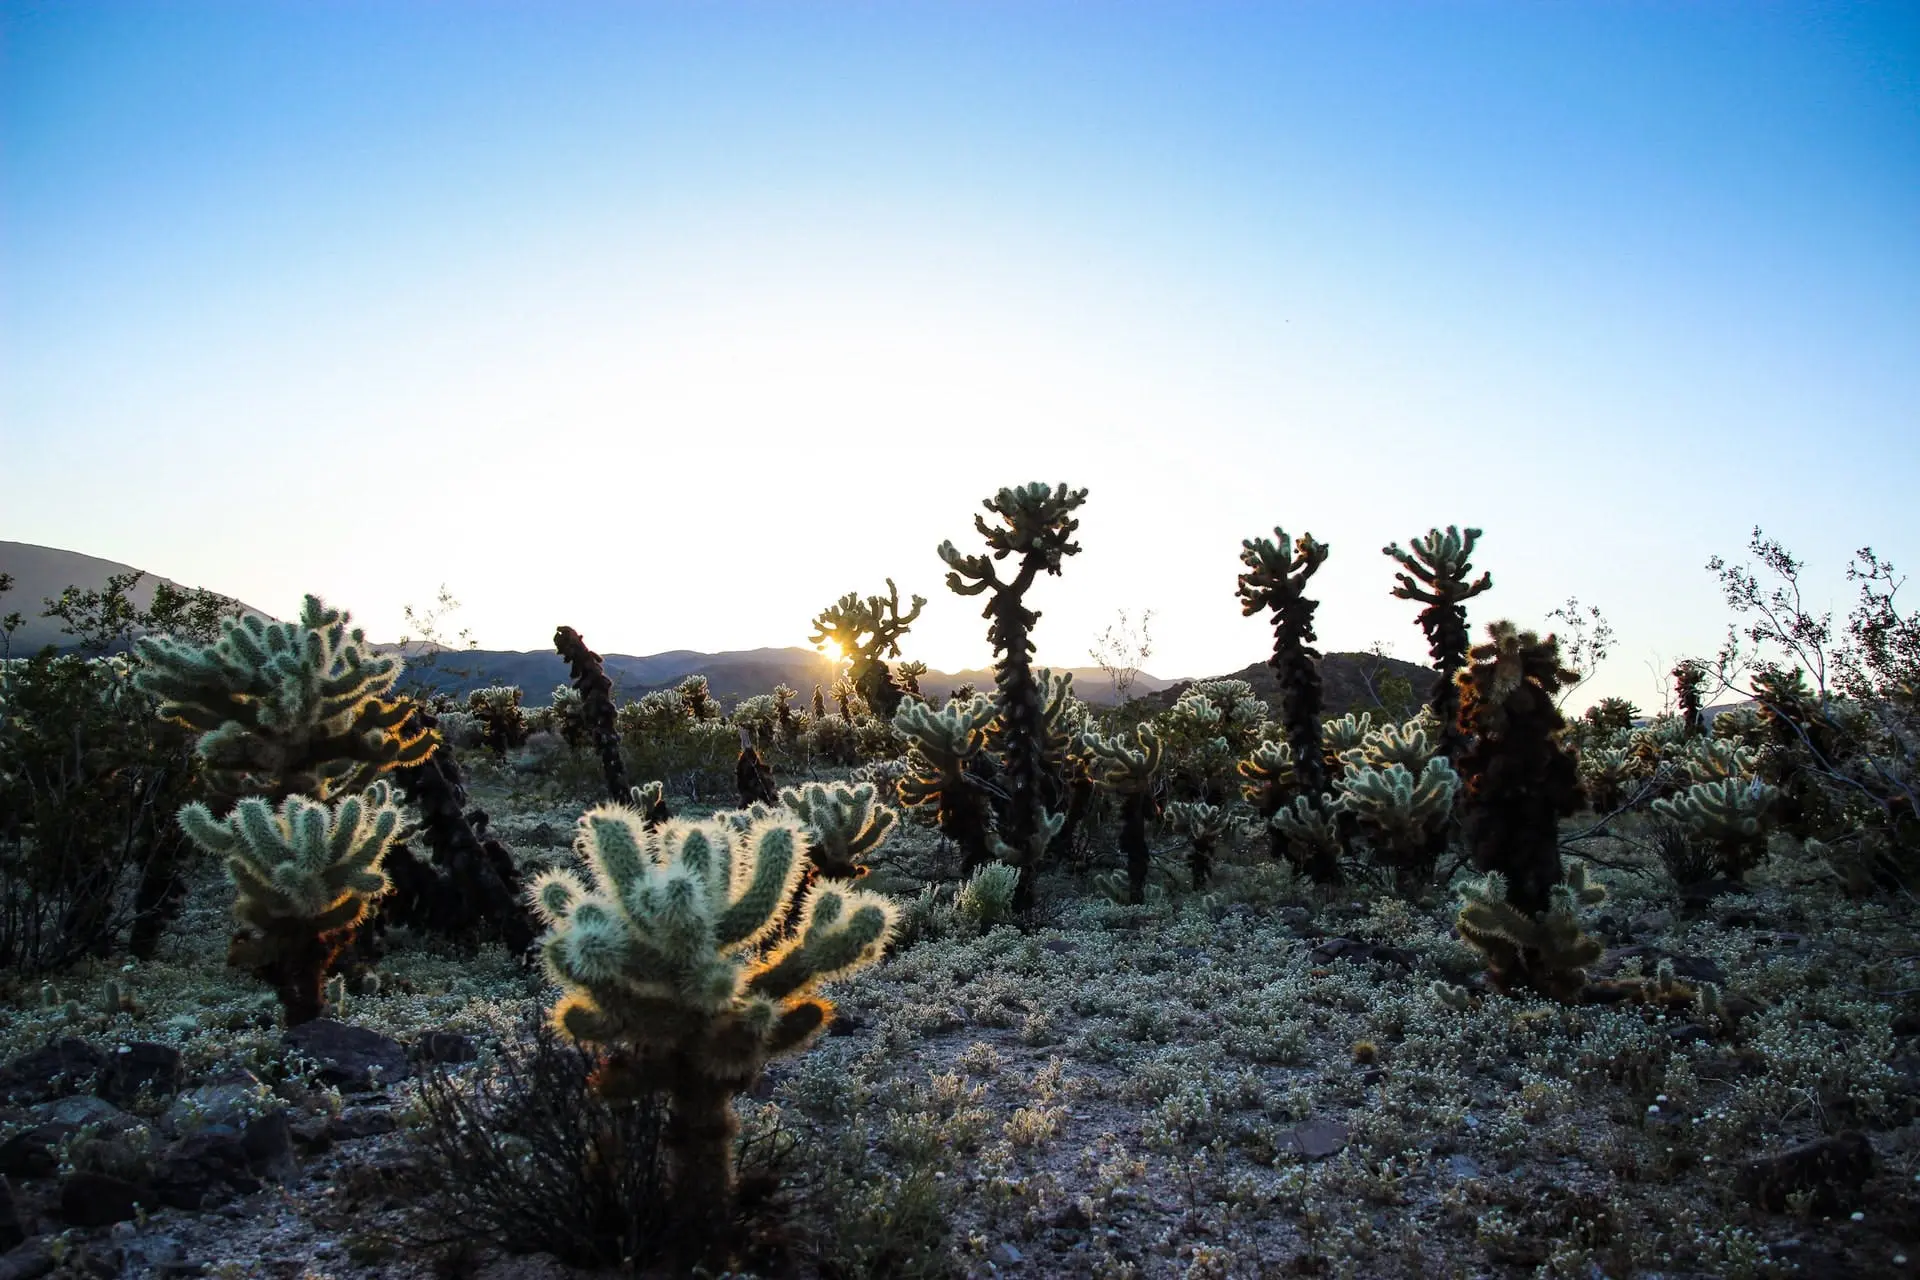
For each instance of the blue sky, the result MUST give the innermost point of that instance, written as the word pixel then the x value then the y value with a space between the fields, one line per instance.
pixel 676 322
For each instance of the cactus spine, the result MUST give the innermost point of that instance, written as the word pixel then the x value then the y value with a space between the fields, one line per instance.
pixel 1036 524
pixel 661 949
pixel 1440 563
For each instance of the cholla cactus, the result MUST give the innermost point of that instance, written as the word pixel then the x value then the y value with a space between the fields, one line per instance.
pixel 1267 784
pixel 783 696
pixel 649 800
pixel 1401 812
pixel 1348 733
pixel 1407 745
pixel 867 633
pixel 940 747
pixel 751 777
pixel 1204 826
pixel 1314 842
pixel 286 708
pixel 1520 778
pixel 1276 581
pixel 504 724
pixel 1198 755
pixel 598 719
pixel 845 825
pixel 907 675
pixel 1606 771
pixel 1035 524
pixel 986 899
pixel 1689 677
pixel 1717 759
pixel 661 952
pixel 696 700
pixel 305 876
pixel 1545 952
pixel 758 715
pixel 1730 816
pixel 1441 562
pixel 567 715
pixel 1131 772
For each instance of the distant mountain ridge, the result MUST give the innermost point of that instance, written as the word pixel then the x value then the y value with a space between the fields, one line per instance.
pixel 42 573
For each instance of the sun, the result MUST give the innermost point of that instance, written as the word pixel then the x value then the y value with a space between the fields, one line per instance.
pixel 834 653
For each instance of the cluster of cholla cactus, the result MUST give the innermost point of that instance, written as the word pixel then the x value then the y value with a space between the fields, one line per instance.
pixel 1132 771
pixel 305 876
pixel 296 713
pixel 866 633
pixel 503 724
pixel 1035 524
pixel 666 953
pixel 1205 827
pixel 1437 568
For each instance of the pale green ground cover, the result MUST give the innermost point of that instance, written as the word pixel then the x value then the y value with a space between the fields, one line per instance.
pixel 1126 1091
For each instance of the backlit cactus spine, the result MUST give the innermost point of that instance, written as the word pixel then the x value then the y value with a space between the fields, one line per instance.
pixel 1036 524
pixel 660 949
pixel 1546 952
pixel 305 876
pixel 1730 816
pixel 1436 575
pixel 845 825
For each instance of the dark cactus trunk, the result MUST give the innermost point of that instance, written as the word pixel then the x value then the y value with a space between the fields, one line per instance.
pixel 596 696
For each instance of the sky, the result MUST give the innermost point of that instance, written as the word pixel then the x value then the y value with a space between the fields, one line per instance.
pixel 674 323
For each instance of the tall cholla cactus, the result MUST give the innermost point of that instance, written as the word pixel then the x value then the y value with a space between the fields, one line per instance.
pixel 1730 816
pixel 1520 778
pixel 844 825
pixel 1131 772
pixel 305 876
pixel 286 708
pixel 940 746
pixel 593 689
pixel 868 632
pixel 1036 524
pixel 1401 811
pixel 1605 772
pixel 1276 581
pixel 1545 952
pixel 1441 562
pixel 660 952
pixel 1267 783
pixel 1689 677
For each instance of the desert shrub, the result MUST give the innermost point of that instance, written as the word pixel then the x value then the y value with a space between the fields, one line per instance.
pixel 89 783
pixel 526 1155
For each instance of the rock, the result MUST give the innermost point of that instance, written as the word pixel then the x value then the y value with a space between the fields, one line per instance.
pixel 446 1046
pixel 234 1104
pixel 1008 1254
pixel 1832 1170
pixel 99 1200
pixel 1647 922
pixel 1689 1033
pixel 1357 950
pixel 313 1134
pixel 64 1067
pixel 1073 1217
pixel 361 1122
pixel 1906 1023
pixel 1463 1166
pixel 1316 1139
pixel 201 1169
pixel 1058 946
pixel 32 1153
pixel 351 1058
pixel 12 1231
pixel 143 1066
pixel 268 1143
pixel 28 1261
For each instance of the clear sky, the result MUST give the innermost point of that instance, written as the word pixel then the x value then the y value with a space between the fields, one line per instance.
pixel 673 323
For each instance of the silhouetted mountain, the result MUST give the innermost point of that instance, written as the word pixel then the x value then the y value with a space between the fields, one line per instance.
pixel 43 573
